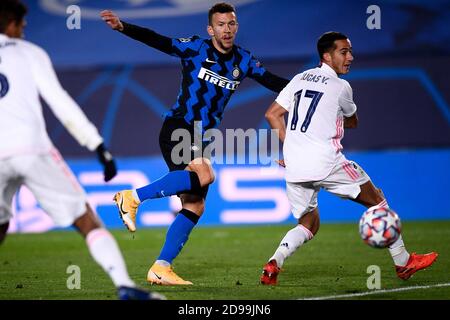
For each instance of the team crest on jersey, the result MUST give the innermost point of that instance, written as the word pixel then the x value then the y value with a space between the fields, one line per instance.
pixel 236 72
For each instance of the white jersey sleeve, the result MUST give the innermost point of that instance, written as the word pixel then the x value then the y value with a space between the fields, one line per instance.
pixel 284 98
pixel 346 100
pixel 63 106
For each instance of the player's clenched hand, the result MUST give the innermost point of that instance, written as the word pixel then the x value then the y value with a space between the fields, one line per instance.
pixel 106 159
pixel 111 19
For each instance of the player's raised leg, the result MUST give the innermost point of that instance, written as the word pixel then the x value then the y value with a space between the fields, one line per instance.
pixel 405 264
pixel 197 175
pixel 173 183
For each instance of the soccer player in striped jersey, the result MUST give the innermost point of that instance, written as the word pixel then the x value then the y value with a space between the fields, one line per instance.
pixel 212 71
pixel 28 157
pixel 320 106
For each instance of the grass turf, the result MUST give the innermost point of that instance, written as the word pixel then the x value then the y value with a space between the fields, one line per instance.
pixel 225 263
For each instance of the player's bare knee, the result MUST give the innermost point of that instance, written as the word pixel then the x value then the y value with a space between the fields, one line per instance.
pixel 206 177
pixel 209 177
pixel 204 171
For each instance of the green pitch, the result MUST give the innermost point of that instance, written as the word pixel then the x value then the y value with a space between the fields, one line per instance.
pixel 225 263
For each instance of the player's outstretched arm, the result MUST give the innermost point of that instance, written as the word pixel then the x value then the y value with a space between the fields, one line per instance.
pixel 264 77
pixel 67 110
pixel 271 81
pixel 144 35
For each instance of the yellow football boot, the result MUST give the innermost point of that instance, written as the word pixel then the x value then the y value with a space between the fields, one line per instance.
pixel 164 276
pixel 127 208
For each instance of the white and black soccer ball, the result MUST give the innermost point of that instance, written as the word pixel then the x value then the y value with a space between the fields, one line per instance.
pixel 379 227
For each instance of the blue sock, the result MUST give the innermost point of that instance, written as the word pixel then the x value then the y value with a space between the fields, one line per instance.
pixel 174 182
pixel 178 234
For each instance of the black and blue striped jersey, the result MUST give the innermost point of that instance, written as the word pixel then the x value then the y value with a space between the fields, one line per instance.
pixel 209 77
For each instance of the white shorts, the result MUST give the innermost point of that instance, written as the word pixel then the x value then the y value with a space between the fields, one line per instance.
pixel 49 179
pixel 344 181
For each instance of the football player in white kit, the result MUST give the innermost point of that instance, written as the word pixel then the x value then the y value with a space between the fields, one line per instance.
pixel 28 157
pixel 320 106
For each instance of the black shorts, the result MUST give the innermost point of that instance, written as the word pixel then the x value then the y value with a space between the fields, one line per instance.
pixel 181 160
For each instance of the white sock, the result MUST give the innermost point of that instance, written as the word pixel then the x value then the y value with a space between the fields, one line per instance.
pixel 397 249
pixel 105 251
pixel 135 196
pixel 399 253
pixel 163 263
pixel 382 204
pixel 293 239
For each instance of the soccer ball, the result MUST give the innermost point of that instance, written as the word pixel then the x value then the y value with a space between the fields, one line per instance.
pixel 379 227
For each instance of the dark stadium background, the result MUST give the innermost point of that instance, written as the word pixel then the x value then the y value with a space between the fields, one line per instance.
pixel 399 78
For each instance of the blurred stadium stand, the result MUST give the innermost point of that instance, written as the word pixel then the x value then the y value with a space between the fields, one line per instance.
pixel 399 78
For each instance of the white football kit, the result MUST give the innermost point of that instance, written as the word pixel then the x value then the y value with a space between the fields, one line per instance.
pixel 27 156
pixel 317 101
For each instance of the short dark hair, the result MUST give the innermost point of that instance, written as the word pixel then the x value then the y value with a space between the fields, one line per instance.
pixel 221 7
pixel 11 11
pixel 326 42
